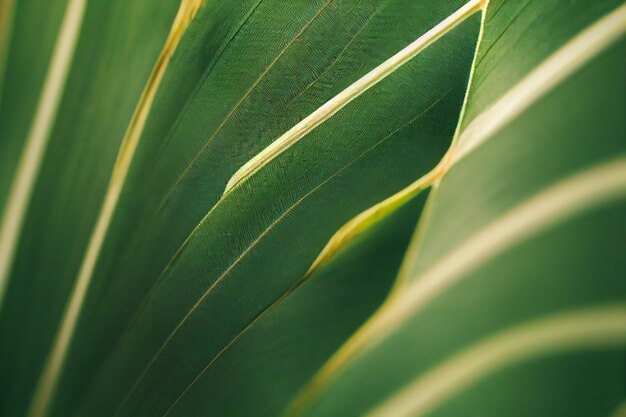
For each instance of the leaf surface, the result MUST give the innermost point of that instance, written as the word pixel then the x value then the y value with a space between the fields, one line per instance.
pixel 390 135
pixel 269 361
pixel 502 233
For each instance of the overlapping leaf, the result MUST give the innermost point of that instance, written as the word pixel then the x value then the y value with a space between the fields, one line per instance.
pixel 233 266
pixel 243 74
pixel 201 302
pixel 519 254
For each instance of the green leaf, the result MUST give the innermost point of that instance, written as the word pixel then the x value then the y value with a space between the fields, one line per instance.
pixel 235 258
pixel 210 210
pixel 523 227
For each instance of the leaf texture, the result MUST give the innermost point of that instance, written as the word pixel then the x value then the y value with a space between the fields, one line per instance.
pixel 429 236
pixel 209 275
pixel 544 178
pixel 101 92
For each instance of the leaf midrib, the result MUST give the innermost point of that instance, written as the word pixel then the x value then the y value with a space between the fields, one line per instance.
pixel 599 326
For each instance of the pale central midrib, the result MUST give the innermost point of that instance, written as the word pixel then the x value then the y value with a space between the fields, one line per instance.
pixel 603 326
pixel 37 139
pixel 331 107
pixel 60 345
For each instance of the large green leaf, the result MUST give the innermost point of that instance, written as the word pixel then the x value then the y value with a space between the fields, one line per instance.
pixel 234 259
pixel 268 64
pixel 519 255
pixel 237 256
